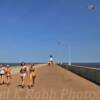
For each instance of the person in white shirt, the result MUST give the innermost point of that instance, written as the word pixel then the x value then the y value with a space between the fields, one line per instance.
pixel 50 60
pixel 2 74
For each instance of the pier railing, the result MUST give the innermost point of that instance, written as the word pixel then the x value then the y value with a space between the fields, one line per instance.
pixel 92 74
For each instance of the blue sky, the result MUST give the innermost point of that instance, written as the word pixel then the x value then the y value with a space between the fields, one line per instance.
pixel 30 30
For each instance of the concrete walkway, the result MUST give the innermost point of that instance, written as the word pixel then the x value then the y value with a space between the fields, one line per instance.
pixel 52 83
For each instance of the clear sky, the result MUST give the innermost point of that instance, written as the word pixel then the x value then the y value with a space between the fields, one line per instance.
pixel 30 30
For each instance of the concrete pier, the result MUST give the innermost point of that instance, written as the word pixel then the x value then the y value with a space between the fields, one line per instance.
pixel 52 83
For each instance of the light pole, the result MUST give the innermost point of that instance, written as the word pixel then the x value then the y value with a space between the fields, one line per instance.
pixel 69 55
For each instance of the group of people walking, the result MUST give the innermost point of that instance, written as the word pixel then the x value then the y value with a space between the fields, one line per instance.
pixel 25 72
pixel 5 74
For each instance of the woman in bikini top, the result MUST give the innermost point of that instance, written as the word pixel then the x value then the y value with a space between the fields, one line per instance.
pixel 32 76
pixel 32 69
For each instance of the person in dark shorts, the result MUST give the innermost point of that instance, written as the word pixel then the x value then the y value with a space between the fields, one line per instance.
pixel 2 74
pixel 48 63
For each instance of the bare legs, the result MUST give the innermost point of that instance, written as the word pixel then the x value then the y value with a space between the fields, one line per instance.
pixel 2 79
pixel 31 80
pixel 23 81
